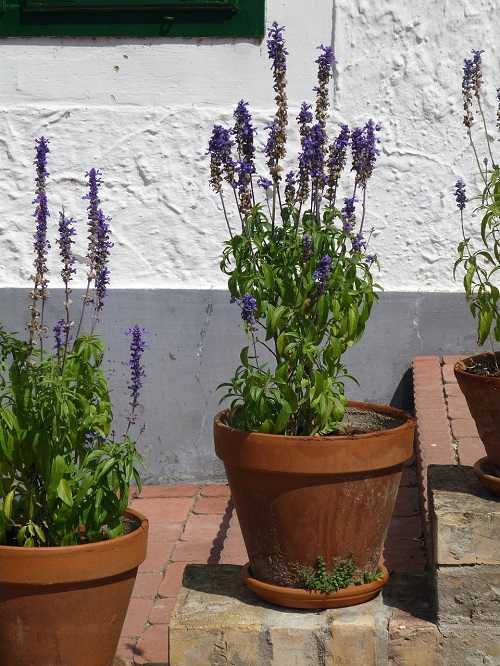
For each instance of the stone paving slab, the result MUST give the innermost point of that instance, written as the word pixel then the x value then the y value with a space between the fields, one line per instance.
pixel 217 620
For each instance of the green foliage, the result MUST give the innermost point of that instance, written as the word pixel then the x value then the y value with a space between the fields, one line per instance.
pixel 305 331
pixel 320 580
pixel 62 477
pixel 479 251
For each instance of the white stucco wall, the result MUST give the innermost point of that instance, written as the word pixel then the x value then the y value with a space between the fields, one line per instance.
pixel 142 112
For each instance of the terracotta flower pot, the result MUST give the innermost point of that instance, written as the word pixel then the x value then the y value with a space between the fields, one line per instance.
pixel 298 498
pixel 65 606
pixel 483 399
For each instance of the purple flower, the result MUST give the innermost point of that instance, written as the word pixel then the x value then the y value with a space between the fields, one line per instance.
pixel 325 61
pixel 58 329
pixel 471 83
pixel 248 305
pixel 65 241
pixel 370 259
pixel 358 243
pixel 307 248
pixel 290 187
pixel 460 195
pixel 275 148
pixel 276 46
pixel 265 183
pixel 337 160
pixel 348 213
pixel 137 347
pixel 364 152
pixel 41 214
pixel 221 161
pixel 244 134
pixel 305 118
pixel 322 273
pixel 99 243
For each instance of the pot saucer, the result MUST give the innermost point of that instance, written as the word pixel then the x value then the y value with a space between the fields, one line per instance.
pixel 312 599
pixel 486 475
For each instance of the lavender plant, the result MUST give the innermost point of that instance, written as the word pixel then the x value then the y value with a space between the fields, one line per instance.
pixel 299 267
pixel 64 474
pixel 479 256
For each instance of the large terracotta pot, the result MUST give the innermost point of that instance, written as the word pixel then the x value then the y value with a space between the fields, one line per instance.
pixel 483 399
pixel 65 606
pixel 298 498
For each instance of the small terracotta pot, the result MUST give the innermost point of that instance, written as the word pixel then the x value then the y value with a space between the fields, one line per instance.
pixel 483 399
pixel 65 606
pixel 298 498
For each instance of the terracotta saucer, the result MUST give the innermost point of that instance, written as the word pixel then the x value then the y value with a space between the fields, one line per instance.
pixel 298 598
pixel 485 473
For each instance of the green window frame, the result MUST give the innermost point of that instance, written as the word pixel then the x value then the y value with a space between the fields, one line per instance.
pixel 132 18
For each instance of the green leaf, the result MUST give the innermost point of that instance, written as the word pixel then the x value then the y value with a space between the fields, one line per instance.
pixel 273 319
pixel 7 508
pixel 64 492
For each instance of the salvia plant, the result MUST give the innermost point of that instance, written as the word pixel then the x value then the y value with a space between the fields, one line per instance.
pixel 479 255
pixel 298 265
pixel 64 474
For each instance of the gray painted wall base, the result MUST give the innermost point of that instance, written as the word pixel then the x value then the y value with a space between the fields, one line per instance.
pixel 195 340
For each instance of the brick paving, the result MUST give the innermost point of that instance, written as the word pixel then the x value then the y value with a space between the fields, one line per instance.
pixel 197 524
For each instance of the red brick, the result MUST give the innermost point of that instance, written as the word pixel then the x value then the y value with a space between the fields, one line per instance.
pixel 201 541
pixel 152 646
pixel 126 649
pixel 137 616
pixel 464 427
pixel 452 359
pixel 165 533
pixel 159 553
pixel 234 551
pixel 405 527
pixel 448 374
pixel 180 490
pixel 216 490
pixel 172 580
pixel 470 450
pixel 164 510
pixel 162 611
pixel 146 584
pixel 438 454
pixel 217 505
pixel 407 502
pixel 457 407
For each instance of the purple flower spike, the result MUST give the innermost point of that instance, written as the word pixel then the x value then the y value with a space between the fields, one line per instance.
pixel 471 83
pixel 221 161
pixel 248 305
pixel 276 46
pixel 364 152
pixel 41 214
pixel 65 241
pixel 322 273
pixel 244 134
pixel 99 243
pixel 137 347
pixel 460 195
pixel 58 329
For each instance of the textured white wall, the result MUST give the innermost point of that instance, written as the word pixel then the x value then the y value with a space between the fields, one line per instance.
pixel 142 112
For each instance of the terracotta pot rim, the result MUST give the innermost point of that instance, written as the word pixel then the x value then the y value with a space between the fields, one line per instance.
pixel 321 456
pixel 460 367
pixel 61 565
pixel 407 423
pixel 98 545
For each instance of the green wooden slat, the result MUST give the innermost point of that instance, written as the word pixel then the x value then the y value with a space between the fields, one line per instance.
pixel 123 20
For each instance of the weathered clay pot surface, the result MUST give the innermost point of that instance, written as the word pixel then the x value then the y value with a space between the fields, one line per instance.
pixel 483 399
pixel 65 606
pixel 300 497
